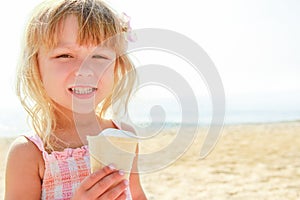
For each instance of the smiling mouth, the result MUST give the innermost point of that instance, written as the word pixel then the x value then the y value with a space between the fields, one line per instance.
pixel 82 90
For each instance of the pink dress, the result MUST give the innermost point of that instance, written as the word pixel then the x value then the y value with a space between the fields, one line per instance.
pixel 64 170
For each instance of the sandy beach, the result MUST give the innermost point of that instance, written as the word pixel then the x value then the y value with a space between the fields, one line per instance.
pixel 254 161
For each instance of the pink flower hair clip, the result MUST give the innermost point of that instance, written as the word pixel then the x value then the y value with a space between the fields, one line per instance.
pixel 131 36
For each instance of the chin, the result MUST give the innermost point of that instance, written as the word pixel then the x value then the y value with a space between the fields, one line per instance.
pixel 83 108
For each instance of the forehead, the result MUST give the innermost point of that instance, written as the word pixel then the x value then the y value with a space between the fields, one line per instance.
pixel 67 37
pixel 71 29
pixel 67 31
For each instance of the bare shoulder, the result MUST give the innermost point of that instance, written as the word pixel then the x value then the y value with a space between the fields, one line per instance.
pixel 127 127
pixel 23 170
pixel 23 149
pixel 122 125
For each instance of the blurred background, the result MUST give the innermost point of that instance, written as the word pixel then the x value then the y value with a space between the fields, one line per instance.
pixel 253 44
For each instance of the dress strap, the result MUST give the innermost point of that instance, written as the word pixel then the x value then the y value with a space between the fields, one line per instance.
pixel 37 141
pixel 117 124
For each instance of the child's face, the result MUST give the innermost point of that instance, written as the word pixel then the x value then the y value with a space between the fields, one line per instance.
pixel 76 77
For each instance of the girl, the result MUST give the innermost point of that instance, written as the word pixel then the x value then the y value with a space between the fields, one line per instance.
pixel 66 82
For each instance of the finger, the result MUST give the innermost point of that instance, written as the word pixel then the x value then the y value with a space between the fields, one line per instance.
pixel 105 183
pixel 116 192
pixel 91 180
pixel 123 196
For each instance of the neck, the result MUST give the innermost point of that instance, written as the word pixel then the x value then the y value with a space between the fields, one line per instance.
pixel 74 127
pixel 86 124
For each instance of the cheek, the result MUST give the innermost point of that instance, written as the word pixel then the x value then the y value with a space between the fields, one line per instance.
pixel 107 78
pixel 50 78
pixel 53 73
pixel 53 80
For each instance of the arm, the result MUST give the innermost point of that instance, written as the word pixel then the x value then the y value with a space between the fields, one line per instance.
pixel 22 179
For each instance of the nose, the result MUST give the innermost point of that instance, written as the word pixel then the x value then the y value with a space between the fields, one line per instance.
pixel 84 70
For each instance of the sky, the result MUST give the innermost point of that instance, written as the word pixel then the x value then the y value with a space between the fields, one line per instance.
pixel 254 44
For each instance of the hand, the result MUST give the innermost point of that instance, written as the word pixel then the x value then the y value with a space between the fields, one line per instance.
pixel 105 184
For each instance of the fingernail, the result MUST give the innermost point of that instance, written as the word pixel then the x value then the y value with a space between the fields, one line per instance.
pixel 111 166
pixel 126 183
pixel 121 172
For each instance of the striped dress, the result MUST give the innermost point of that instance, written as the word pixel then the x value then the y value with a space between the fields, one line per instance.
pixel 64 170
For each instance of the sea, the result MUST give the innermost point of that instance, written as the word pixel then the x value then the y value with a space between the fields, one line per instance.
pixel 13 122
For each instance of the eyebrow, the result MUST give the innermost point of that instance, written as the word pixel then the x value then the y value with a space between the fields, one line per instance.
pixel 97 50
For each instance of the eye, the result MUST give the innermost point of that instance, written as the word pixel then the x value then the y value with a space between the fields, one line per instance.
pixel 64 56
pixel 97 56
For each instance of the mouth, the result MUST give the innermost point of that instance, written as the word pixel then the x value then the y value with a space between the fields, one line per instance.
pixel 82 91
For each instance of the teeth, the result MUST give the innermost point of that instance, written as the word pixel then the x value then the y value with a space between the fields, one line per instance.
pixel 83 90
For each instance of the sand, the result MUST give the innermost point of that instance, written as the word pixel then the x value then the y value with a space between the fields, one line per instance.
pixel 4 146
pixel 258 161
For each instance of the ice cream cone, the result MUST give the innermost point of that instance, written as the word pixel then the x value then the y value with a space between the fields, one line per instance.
pixel 112 146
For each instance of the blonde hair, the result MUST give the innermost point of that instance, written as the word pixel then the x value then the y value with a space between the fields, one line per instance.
pixel 97 22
